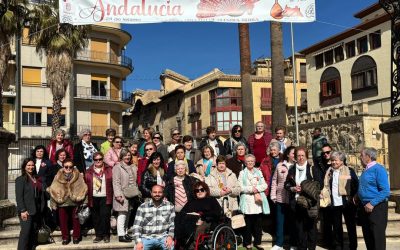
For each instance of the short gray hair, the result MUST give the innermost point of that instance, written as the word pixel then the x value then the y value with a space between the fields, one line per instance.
pixel 371 152
pixel 59 131
pixel 84 131
pixel 338 155
pixel 275 145
pixel 249 156
pixel 183 163
pixel 123 153
pixel 240 144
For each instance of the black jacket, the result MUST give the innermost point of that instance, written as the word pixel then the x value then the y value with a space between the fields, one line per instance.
pixel 148 181
pixel 171 169
pixel 28 199
pixel 229 145
pixel 321 166
pixel 188 182
pixel 79 159
pixel 219 142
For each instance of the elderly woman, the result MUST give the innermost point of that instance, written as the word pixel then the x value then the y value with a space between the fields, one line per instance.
pixel 146 138
pixel 280 196
pixel 269 164
pixel 149 148
pixel 154 175
pixel 236 163
pixel 124 176
pixel 57 143
pixel 84 150
pixel 224 184
pixel 112 156
pixel 179 189
pixel 206 164
pixel 67 192
pixel 305 226
pixel 191 153
pixel 253 202
pixel 30 203
pixel 235 138
pixel 42 163
pixel 100 196
pixel 341 184
pixel 175 141
pixel 180 156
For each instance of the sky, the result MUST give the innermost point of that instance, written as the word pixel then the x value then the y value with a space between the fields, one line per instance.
pixel 194 49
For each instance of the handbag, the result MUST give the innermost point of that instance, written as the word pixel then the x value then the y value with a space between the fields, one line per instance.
pixel 43 234
pixel 258 199
pixel 131 191
pixel 83 214
pixel 237 221
pixel 325 201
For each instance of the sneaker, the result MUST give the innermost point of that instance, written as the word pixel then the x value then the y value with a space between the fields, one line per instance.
pixel 276 247
pixel 97 239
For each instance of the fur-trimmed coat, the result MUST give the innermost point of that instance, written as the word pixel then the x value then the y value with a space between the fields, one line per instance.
pixel 65 193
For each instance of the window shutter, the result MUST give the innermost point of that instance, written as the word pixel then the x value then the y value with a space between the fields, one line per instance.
pixel 198 97
pixel 192 101
pixel 324 89
pixel 338 87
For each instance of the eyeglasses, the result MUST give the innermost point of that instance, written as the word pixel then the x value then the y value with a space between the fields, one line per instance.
pixel 199 190
pixel 326 152
pixel 98 159
pixel 157 138
pixel 238 131
pixel 176 133
pixel 148 149
pixel 86 134
pixel 68 167
pixel 118 142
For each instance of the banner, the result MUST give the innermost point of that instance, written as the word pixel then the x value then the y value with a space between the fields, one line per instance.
pixel 154 11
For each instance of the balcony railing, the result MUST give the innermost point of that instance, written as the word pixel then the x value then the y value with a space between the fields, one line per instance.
pixel 265 103
pixel 195 109
pixel 104 57
pixel 98 130
pixel 103 94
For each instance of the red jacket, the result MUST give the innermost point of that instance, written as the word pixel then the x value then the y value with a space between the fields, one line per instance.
pixel 142 166
pixel 109 186
pixel 267 139
pixel 267 170
pixel 51 149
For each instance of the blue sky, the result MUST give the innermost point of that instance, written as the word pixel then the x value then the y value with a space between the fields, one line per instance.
pixel 193 49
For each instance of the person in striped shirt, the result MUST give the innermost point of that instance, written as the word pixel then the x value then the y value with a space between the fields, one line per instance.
pixel 154 222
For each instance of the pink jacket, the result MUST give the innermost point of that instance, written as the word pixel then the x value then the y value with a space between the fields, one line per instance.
pixel 112 157
pixel 278 192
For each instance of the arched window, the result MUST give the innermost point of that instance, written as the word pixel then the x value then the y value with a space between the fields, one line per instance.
pixel 330 87
pixel 364 80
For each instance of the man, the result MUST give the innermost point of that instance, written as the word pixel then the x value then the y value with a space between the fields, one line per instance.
pixel 213 141
pixel 105 146
pixel 280 137
pixel 317 143
pixel 259 142
pixel 373 192
pixel 175 141
pixel 154 222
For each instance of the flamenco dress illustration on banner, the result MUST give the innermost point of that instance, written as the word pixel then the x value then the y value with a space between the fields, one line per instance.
pixel 233 8
pixel 277 12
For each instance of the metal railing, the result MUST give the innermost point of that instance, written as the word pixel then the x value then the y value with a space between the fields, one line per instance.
pixel 266 102
pixel 195 109
pixel 103 94
pixel 104 57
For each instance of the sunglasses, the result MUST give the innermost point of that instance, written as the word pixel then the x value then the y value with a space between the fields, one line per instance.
pixel 156 137
pixel 176 133
pixel 199 190
pixel 118 142
pixel 148 149
pixel 238 131
pixel 68 167
pixel 326 152
pixel 98 159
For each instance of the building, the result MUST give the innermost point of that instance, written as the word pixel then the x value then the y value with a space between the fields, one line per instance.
pixel 214 98
pixel 349 84
pixel 95 99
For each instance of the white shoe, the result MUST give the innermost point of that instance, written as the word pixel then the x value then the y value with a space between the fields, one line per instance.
pixel 276 247
pixel 293 248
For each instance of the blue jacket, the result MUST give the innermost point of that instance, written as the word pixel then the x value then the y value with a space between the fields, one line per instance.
pixel 374 185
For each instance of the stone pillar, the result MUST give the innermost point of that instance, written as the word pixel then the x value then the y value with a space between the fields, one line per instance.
pixel 392 128
pixel 7 209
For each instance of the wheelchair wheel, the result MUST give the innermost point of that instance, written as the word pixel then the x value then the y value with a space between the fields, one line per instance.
pixel 223 238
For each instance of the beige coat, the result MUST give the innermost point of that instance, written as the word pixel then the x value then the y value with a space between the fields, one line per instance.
pixel 232 182
pixel 120 177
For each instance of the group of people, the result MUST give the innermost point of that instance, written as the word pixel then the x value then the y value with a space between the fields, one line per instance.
pixel 168 194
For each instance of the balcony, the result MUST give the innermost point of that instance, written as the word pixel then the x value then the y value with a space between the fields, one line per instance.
pixel 325 101
pixel 98 130
pixel 103 94
pixel 194 110
pixel 265 103
pixel 105 57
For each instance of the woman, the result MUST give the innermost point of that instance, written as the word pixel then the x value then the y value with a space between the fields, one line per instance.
pixel 305 226
pixel 161 147
pixel 236 163
pixel 100 196
pixel 84 150
pixel 154 175
pixel 269 164
pixel 147 134
pixel 30 204
pixel 280 196
pixel 341 182
pixel 105 146
pixel 175 141
pixel 199 214
pixel 67 192
pixel 112 156
pixel 57 143
pixel 253 202
pixel 206 164
pixel 236 136
pixel 124 176
pixel 60 157
pixel 224 184
pixel 180 156
pixel 149 148
pixel 133 148
pixel 179 190
pixel 42 163
pixel 190 152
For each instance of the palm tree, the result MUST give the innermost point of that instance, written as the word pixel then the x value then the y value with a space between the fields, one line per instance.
pixel 59 42
pixel 278 77
pixel 245 76
pixel 11 19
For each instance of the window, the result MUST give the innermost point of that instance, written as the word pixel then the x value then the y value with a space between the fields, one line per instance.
pixel 330 87
pixel 364 79
pixel 32 76
pixel 196 128
pixel 226 109
pixel 224 121
pixel 25 37
pixel 266 98
pixel 303 72
pixel 267 120
pixel 99 83
pixel 362 44
pixel 225 98
pixel 319 61
pixel 328 55
pixel 32 116
pixel 339 55
pixel 303 98
pixel 50 116
pixel 350 49
pixel 375 39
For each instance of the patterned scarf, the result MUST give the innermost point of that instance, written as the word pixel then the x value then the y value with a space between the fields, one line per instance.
pixel 88 150
pixel 98 179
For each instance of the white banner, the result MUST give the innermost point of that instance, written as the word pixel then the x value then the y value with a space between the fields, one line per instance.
pixel 154 11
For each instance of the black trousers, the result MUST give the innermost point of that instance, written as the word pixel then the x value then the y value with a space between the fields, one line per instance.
pixel 101 214
pixel 349 213
pixel 374 226
pixel 28 234
pixel 253 228
pixel 326 225
pixel 306 230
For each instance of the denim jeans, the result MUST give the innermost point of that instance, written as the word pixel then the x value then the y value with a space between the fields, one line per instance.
pixel 153 243
pixel 280 222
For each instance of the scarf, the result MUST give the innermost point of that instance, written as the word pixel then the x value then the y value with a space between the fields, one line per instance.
pixel 67 176
pixel 209 166
pixel 98 179
pixel 301 173
pixel 240 158
pixel 88 150
pixel 222 179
